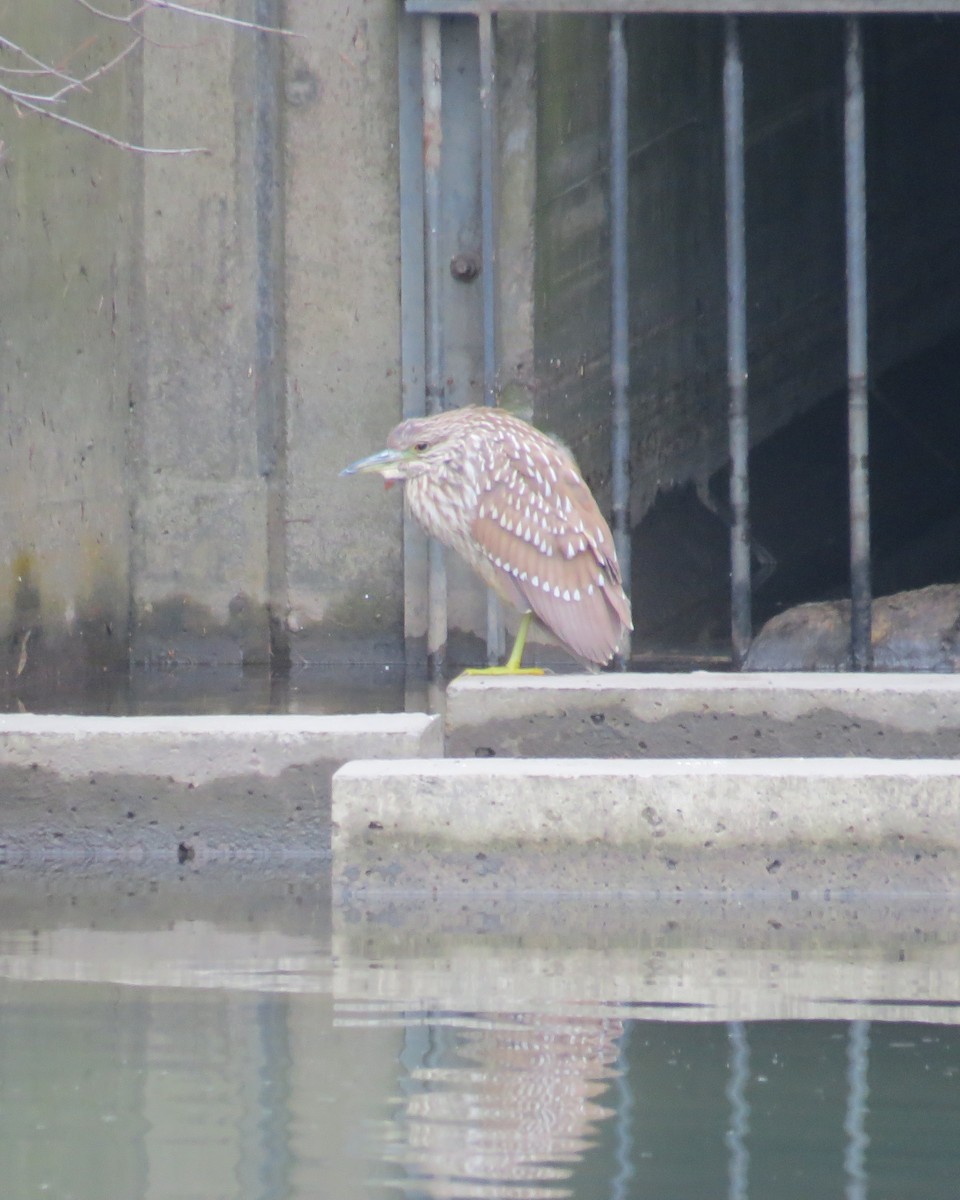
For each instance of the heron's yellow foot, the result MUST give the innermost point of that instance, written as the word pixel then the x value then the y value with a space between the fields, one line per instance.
pixel 512 665
pixel 506 669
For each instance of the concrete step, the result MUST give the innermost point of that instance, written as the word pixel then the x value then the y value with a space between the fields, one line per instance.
pixel 779 826
pixel 192 789
pixel 705 715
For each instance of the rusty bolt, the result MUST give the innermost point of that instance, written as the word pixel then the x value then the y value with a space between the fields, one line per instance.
pixel 301 86
pixel 465 266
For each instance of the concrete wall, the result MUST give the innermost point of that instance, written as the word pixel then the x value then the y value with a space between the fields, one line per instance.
pixel 66 212
pixel 200 583
pixel 194 345
pixel 271 305
pixel 343 536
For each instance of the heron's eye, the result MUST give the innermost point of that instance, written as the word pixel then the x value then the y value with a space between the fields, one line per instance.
pixel 421 446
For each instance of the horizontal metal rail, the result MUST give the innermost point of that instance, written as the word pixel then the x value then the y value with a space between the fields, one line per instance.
pixel 717 7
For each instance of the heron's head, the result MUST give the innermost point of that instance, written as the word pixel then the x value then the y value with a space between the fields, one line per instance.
pixel 416 447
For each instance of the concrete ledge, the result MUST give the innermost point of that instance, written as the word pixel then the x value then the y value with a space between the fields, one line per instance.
pixel 774 826
pixel 705 715
pixel 183 788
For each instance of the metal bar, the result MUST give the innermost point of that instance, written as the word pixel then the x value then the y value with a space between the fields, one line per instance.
pixel 619 300
pixel 432 85
pixel 741 619
pixel 598 7
pixel 488 202
pixel 489 157
pixel 412 328
pixel 857 439
pixel 270 374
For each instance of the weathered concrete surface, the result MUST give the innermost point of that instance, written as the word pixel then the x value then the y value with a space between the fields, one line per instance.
pixel 673 959
pixel 916 630
pixel 705 715
pixel 65 343
pixel 187 789
pixel 342 276
pixel 204 449
pixel 653 827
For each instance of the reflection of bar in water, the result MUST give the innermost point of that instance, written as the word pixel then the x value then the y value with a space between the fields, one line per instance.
pixel 499 1109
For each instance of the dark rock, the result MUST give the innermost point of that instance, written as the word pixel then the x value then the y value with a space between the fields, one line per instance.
pixel 912 631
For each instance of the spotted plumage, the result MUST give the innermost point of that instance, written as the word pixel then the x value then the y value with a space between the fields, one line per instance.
pixel 512 502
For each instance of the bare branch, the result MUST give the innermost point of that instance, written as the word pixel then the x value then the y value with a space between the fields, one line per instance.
pixel 199 12
pixel 26 71
pixel 106 67
pixel 45 68
pixel 101 136
pixel 43 105
pixel 189 11
pixel 108 16
pixel 19 96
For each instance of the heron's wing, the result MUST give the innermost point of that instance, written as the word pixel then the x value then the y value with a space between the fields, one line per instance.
pixel 541 531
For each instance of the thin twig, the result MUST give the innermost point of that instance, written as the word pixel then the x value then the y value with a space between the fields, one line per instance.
pixel 199 12
pixel 101 136
pixel 31 71
pixel 187 10
pixel 67 89
pixel 19 97
pixel 108 16
pixel 79 49
pixel 40 105
pixel 104 68
pixel 48 68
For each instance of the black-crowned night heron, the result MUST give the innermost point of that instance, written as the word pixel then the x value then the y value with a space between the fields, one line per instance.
pixel 513 503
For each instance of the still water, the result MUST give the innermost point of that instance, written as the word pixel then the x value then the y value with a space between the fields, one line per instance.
pixel 159 1041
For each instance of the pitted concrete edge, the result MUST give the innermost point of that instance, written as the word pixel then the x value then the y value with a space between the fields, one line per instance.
pixel 184 789
pixel 705 714
pixel 653 826
pixel 198 749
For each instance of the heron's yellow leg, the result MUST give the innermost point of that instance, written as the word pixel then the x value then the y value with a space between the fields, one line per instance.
pixel 512 665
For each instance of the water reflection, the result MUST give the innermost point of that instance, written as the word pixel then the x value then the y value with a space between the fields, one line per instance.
pixel 325 689
pixel 499 1109
pixel 736 1136
pixel 154 1092
pixel 149 1051
pixel 855 1155
pixel 511 1107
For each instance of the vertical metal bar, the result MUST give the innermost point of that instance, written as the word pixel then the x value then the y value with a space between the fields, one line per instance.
pixel 412 330
pixel 432 84
pixel 489 156
pixel 488 201
pixel 855 1120
pixel 619 301
pixel 739 1128
pixel 270 372
pixel 741 620
pixel 857 438
pixel 625 1150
